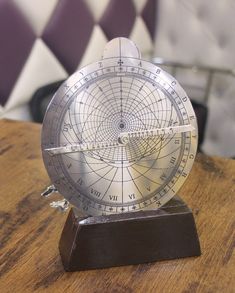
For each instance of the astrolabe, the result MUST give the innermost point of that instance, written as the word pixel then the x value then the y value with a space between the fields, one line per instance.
pixel 119 135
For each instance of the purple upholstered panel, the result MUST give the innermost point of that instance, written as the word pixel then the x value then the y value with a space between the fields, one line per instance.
pixel 16 40
pixel 149 16
pixel 118 18
pixel 68 32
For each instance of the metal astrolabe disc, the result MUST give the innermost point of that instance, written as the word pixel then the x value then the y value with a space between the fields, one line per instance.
pixel 119 135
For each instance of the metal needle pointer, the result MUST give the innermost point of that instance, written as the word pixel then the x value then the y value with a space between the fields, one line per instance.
pixel 123 139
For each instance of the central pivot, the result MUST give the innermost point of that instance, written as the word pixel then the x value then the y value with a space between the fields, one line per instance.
pixel 121 125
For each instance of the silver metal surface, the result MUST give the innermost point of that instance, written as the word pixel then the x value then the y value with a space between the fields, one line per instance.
pixel 49 190
pixel 123 139
pixel 61 205
pixel 113 98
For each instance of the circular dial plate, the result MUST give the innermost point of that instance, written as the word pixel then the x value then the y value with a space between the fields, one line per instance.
pixel 98 103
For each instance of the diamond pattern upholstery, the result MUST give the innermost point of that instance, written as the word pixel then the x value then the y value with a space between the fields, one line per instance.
pixel 68 32
pixel 113 22
pixel 12 23
pixel 45 41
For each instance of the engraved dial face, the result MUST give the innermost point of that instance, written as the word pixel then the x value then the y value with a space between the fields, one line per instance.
pixel 92 109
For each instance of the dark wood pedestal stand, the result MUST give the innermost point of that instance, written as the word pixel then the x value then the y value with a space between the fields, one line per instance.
pixel 129 238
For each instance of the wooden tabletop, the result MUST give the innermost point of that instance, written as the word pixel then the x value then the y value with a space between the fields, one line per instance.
pixel 30 229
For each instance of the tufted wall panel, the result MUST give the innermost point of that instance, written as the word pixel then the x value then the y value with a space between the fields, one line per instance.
pixel 36 38
pixel 45 41
pixel 202 32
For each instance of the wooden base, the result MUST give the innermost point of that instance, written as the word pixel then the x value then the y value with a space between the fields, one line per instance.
pixel 129 238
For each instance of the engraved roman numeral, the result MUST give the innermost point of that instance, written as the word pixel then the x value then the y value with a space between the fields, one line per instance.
pixel 172 160
pixel 132 196
pixel 163 176
pixel 95 192
pixel 113 197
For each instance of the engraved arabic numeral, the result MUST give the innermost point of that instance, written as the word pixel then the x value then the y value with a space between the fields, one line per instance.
pixel 148 188
pixel 158 203
pixel 158 71
pixel 66 127
pixel 69 165
pixel 184 99
pixel 177 141
pixel 80 181
pixel 170 122
pixel 184 174
pixel 132 196
pixel 95 192
pixel 113 197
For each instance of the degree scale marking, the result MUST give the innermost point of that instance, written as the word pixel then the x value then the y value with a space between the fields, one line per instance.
pixel 105 204
pixel 124 139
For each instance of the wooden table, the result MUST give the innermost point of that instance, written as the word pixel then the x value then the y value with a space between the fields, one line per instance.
pixel 30 229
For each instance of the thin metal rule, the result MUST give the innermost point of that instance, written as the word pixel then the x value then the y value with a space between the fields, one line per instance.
pixel 119 135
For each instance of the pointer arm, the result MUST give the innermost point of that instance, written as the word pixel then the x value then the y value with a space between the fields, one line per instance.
pixel 126 136
pixel 83 147
pixel 123 140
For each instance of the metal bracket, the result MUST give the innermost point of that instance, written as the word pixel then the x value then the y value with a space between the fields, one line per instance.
pixel 61 205
pixel 50 189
